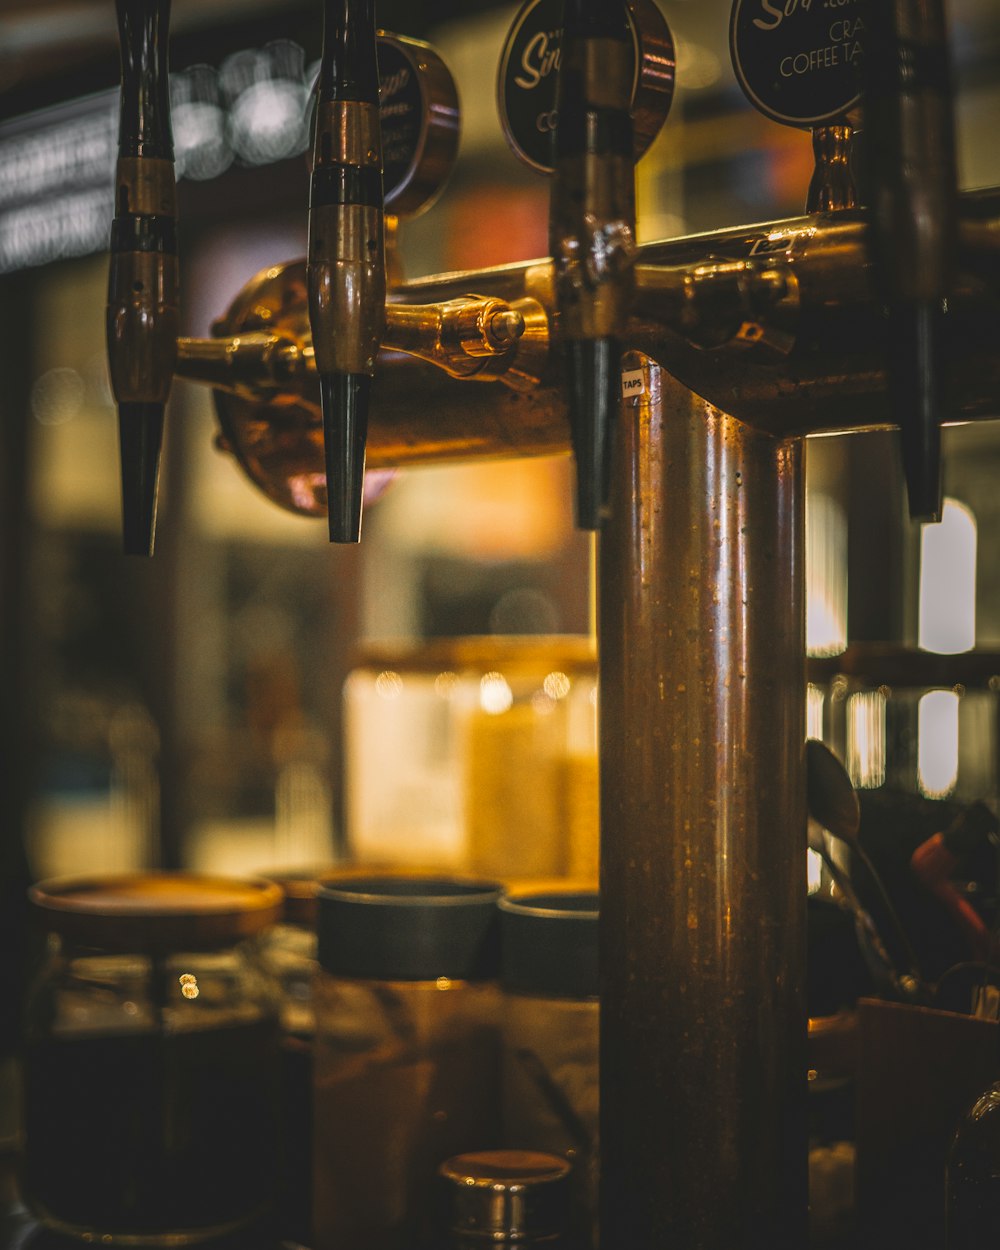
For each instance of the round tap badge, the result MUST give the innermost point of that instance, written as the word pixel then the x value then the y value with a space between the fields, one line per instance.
pixel 418 112
pixel 526 80
pixel 799 61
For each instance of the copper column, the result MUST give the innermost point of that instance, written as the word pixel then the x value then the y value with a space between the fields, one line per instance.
pixel 703 1020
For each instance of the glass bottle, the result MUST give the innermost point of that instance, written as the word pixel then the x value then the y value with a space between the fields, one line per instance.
pixel 406 1063
pixel 151 1059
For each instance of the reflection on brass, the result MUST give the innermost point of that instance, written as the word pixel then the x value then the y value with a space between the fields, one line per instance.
pixel 737 302
pixel 830 379
pixel 145 185
pixel 703 818
pixel 832 186
pixel 142 323
pixel 263 370
pixel 347 291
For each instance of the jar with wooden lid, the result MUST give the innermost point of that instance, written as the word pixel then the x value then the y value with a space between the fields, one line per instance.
pixel 150 1101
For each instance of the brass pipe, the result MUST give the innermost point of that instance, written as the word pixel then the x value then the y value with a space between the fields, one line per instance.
pixel 831 379
pixel 703 821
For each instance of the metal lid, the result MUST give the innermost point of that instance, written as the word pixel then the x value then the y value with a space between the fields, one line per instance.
pixel 160 911
pixel 526 79
pixel 409 928
pixel 549 944
pixel 507 1195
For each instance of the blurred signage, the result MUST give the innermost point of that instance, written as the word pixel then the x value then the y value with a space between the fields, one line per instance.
pixel 57 165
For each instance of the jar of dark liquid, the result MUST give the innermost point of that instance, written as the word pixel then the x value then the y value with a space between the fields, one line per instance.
pixel 151 1059
pixel 288 951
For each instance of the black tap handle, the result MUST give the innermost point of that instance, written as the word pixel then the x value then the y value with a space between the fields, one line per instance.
pixel 592 231
pixel 142 312
pixel 346 262
pixel 911 174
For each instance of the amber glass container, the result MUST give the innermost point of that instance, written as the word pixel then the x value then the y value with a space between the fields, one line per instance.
pixel 406 1060
pixel 150 1095
pixel 435 735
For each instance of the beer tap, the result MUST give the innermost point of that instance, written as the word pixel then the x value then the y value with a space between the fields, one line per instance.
pixel 592 232
pixel 911 177
pixel 142 314
pixel 346 263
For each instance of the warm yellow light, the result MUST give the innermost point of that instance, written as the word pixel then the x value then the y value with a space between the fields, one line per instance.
pixel 866 739
pixel 815 699
pixel 947 621
pixel 937 743
pixel 826 575
pixel 556 685
pixel 388 685
pixel 495 694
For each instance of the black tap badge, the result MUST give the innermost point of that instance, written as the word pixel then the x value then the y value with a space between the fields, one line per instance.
pixel 799 61
pixel 402 115
pixel 528 74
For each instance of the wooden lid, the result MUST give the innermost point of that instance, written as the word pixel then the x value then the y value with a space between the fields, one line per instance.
pixel 159 911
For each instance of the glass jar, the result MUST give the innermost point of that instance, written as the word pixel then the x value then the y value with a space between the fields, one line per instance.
pixel 452 744
pixel 288 952
pixel 549 977
pixel 406 1059
pixel 151 1059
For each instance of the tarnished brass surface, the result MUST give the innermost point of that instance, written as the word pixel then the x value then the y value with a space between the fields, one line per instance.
pixel 832 185
pixel 831 379
pixel 148 185
pixel 703 818
pixel 592 213
pixel 347 296
pixel 142 323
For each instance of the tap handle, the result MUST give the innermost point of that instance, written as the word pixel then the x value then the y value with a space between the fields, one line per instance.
pixel 592 231
pixel 911 177
pixel 799 64
pixel 346 257
pixel 142 310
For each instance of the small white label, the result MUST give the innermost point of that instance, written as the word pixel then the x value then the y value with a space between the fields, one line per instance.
pixel 633 383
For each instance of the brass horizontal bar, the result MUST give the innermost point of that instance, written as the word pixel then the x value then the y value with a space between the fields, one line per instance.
pixel 817 368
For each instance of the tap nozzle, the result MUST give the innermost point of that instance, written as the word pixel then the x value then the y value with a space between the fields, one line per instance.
pixel 592 231
pixel 346 265
pixel 911 171
pixel 142 310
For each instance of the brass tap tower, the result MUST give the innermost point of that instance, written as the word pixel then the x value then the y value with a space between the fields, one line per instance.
pixel 736 345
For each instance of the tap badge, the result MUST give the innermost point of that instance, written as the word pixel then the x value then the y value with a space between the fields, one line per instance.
pixel 799 61
pixel 526 80
pixel 419 119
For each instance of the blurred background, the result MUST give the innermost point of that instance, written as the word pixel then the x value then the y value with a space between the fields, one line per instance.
pixel 190 710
